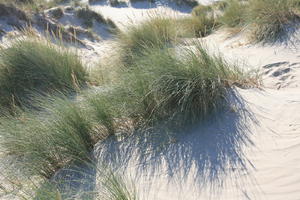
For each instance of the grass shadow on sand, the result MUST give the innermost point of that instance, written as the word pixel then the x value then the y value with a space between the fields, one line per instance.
pixel 208 154
pixel 76 181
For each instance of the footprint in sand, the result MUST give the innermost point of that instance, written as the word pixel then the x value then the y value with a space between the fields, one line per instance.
pixel 275 65
pixel 280 74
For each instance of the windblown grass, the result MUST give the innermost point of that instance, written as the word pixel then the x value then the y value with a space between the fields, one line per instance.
pixel 37 65
pixel 268 20
pixel 47 141
pixel 105 112
pixel 181 90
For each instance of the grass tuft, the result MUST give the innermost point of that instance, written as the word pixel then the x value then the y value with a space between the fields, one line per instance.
pixel 268 20
pixel 181 90
pixel 44 142
pixel 272 23
pixel 201 23
pixel 88 16
pixel 37 65
pixel 157 32
pixel 234 14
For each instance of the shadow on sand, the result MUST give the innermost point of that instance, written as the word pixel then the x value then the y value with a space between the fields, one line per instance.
pixel 209 155
pixel 211 152
pixel 77 181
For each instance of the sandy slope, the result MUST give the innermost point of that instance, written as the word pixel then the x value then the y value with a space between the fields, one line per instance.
pixel 251 152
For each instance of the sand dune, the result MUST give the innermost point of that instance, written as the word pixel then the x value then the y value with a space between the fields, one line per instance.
pixel 248 152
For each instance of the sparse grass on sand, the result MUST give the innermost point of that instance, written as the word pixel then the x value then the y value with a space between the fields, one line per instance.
pixel 268 20
pixel 36 65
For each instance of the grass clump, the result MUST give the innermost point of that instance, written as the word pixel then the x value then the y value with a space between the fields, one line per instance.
pixel 181 90
pixel 196 26
pixel 271 22
pixel 201 23
pixel 157 32
pixel 105 112
pixel 37 65
pixel 268 20
pixel 42 143
pixel 88 16
pixel 234 14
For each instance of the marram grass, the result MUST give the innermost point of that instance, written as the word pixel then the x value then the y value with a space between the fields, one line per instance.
pixel 181 88
pixel 34 65
pixel 46 141
pixel 156 32
pixel 268 20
